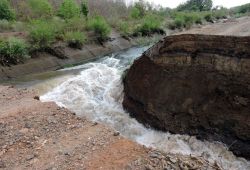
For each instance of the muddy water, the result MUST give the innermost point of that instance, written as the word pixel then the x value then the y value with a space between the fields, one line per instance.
pixel 95 90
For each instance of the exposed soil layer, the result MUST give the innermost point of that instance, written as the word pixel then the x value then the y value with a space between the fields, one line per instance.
pixel 36 135
pixel 197 85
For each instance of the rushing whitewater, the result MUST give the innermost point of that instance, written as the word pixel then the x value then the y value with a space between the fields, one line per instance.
pixel 97 93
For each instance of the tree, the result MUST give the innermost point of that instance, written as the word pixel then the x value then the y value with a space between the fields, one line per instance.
pixel 84 8
pixel 5 10
pixel 196 5
pixel 69 9
pixel 138 10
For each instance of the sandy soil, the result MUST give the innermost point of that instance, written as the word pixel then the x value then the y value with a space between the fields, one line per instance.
pixel 236 27
pixel 36 135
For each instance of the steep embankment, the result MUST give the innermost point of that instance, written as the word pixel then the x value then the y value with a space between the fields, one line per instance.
pixel 197 85
pixel 60 56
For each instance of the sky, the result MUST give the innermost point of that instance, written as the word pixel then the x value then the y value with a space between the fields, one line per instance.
pixel 225 3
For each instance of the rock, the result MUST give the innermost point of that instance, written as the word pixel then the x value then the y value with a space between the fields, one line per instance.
pixel 194 84
pixel 37 98
pixel 116 133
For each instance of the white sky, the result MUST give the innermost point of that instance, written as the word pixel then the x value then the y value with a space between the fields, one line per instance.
pixel 174 3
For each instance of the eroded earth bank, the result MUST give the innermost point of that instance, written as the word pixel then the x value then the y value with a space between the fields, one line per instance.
pixel 197 85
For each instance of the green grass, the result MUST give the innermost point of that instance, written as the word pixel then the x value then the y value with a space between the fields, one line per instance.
pixel 69 9
pixel 99 25
pixel 13 51
pixel 42 34
pixel 40 8
pixel 75 39
pixel 150 24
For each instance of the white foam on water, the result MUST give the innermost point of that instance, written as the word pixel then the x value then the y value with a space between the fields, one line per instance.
pixel 97 93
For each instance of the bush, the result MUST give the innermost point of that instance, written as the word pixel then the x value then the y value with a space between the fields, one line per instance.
pixel 99 25
pixel 5 25
pixel 5 10
pixel 151 24
pixel 186 19
pixel 220 14
pixel 75 24
pixel 179 22
pixel 40 8
pixel 69 9
pixel 75 39
pixel 13 51
pixel 209 17
pixel 84 8
pixel 124 28
pixel 42 34
pixel 135 13
pixel 244 9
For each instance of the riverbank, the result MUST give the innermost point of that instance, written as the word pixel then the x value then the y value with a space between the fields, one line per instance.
pixel 36 135
pixel 44 61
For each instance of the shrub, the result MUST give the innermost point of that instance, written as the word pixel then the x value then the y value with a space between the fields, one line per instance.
pixel 220 14
pixel 42 34
pixel 151 24
pixel 99 25
pixel 13 51
pixel 179 22
pixel 135 13
pixel 5 10
pixel 75 24
pixel 244 8
pixel 186 19
pixel 5 25
pixel 209 17
pixel 84 8
pixel 124 28
pixel 40 8
pixel 69 9
pixel 75 39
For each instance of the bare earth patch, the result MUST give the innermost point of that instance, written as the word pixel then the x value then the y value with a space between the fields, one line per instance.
pixel 36 135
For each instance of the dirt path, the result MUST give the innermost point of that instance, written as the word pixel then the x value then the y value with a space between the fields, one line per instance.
pixel 236 27
pixel 43 136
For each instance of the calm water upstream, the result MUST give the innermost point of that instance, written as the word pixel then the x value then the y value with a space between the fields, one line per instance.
pixel 96 91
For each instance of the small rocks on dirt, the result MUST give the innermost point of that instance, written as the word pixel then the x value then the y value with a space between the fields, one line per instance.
pixel 37 97
pixel 116 133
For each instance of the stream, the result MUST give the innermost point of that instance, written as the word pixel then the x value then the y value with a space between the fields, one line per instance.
pixel 95 91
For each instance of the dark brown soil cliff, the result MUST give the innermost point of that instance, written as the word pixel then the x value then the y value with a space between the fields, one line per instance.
pixel 197 85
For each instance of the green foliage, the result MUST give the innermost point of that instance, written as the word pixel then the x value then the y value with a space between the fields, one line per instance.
pixel 75 24
pixel 196 5
pixel 42 34
pixel 69 9
pixel 135 13
pixel 209 17
pixel 138 10
pixel 5 25
pixel 13 51
pixel 12 26
pixel 75 39
pixel 151 24
pixel 99 25
pixel 84 8
pixel 5 10
pixel 40 8
pixel 186 19
pixel 220 14
pixel 124 28
pixel 240 10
